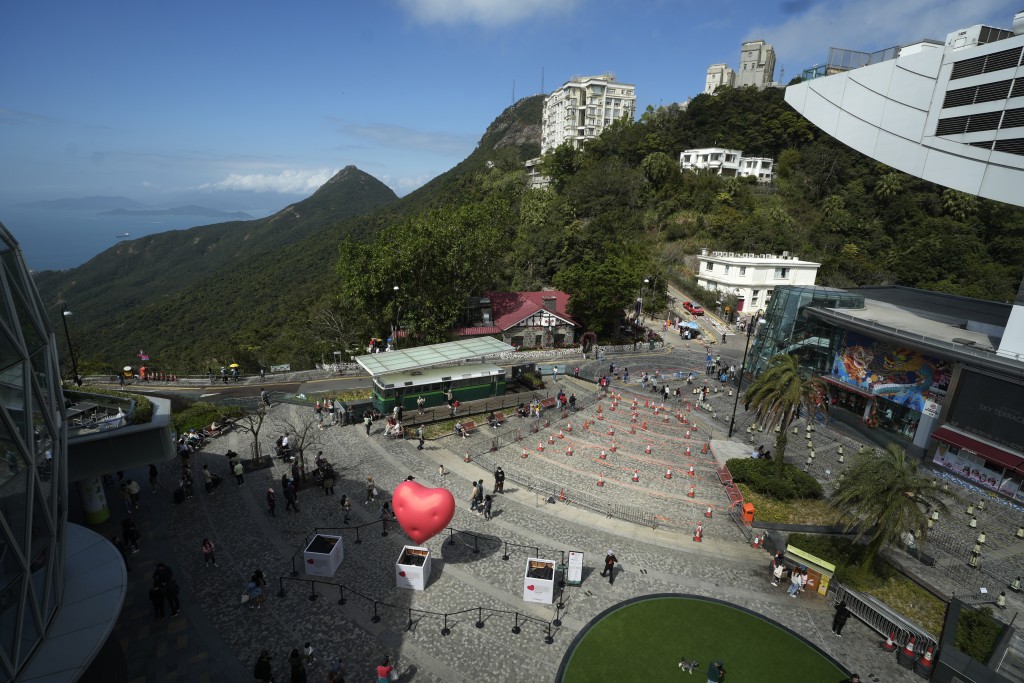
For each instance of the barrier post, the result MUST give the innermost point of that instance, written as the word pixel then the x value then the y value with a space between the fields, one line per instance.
pixel 479 617
pixel 280 590
pixel 341 594
pixel 444 629
pixel 376 617
pixel 312 591
pixel 515 628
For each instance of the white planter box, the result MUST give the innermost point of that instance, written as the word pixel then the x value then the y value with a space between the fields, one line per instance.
pixel 413 568
pixel 323 555
pixel 539 581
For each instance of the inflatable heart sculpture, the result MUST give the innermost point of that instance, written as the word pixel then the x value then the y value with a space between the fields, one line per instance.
pixel 422 512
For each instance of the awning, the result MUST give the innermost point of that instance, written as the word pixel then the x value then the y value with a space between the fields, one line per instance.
pixel 843 385
pixel 989 451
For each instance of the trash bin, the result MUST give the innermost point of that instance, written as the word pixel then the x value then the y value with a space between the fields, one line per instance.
pixel 748 513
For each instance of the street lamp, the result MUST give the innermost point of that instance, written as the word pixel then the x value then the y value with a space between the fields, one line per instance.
pixel 394 326
pixel 750 333
pixel 67 335
pixel 639 309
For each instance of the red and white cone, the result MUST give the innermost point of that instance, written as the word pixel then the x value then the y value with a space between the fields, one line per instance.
pixel 687 433
pixel 551 438
pixel 648 449
pixel 687 451
pixel 568 451
pixel 709 513
pixel 698 533
pixel 690 493
pixel 540 446
pixel 644 425
pixel 568 427
pixel 561 434
pixel 923 666
pixel 756 542
pixel 668 473
pixel 524 454
pixel 600 480
pixel 690 472
pixel 604 456
pixel 467 455
pixel 611 431
pixel 636 475
pixel 704 447
pixel 890 643
pixel 615 446
pixel 906 656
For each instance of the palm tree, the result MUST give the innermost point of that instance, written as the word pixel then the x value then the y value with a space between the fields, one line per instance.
pixel 883 495
pixel 777 396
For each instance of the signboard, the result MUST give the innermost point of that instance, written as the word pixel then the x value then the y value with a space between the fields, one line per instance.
pixel 281 368
pixel 574 575
pixel 931 409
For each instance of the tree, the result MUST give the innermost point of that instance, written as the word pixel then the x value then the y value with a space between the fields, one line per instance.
pixel 251 422
pixel 659 168
pixel 883 495
pixel 777 397
pixel 304 433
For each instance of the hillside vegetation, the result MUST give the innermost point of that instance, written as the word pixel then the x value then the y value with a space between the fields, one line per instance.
pixel 618 211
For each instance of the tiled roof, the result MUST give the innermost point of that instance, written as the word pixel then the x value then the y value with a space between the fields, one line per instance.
pixel 473 331
pixel 510 308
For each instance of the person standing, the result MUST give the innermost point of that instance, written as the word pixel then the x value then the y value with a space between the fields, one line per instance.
pixel 420 402
pixel 208 555
pixel 116 540
pixel 328 480
pixel 130 535
pixel 419 437
pixel 499 480
pixel 154 479
pixel 158 599
pixel 239 472
pixel 208 479
pixel 716 672
pixel 346 508
pixel 794 584
pixel 332 411
pixel 371 491
pixel 386 514
pixel 318 410
pixel 572 402
pixel 263 373
pixel 265 397
pixel 263 671
pixel 291 497
pixel 554 373
pixel 609 566
pixel 271 502
pixel 368 421
pixel 384 670
pixel 839 621
pixel 455 407
pixel 488 502
pixel 472 497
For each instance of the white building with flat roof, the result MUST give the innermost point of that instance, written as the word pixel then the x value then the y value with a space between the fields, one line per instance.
pixel 757 64
pixel 581 109
pixel 727 162
pixel 719 76
pixel 752 277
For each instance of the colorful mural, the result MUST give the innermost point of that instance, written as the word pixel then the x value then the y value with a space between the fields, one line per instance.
pixel 900 375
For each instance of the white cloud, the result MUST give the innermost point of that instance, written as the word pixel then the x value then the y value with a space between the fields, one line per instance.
pixel 489 13
pixel 868 25
pixel 285 182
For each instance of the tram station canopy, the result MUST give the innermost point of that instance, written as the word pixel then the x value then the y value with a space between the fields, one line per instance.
pixel 434 354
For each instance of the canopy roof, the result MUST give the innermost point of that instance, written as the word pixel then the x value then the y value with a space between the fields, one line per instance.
pixel 428 356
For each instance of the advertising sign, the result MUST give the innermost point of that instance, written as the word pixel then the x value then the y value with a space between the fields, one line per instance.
pixel 574 574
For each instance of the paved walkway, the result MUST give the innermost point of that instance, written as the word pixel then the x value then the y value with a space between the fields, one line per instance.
pixel 217 638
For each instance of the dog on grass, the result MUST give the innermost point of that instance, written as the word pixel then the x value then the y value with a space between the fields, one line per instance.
pixel 688 666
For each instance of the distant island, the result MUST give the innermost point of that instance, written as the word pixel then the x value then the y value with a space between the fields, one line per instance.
pixel 181 211
pixel 97 203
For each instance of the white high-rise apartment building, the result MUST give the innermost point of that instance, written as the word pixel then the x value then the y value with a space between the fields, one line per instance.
pixel 719 75
pixel 757 64
pixel 582 108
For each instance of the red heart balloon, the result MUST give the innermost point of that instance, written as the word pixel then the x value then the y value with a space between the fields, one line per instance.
pixel 530 587
pixel 401 573
pixel 422 512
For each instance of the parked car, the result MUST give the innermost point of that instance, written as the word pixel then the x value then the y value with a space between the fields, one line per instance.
pixel 693 309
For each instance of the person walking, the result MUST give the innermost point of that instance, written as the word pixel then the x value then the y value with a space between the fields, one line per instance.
pixel 154 479
pixel 384 670
pixel 472 497
pixel 371 491
pixel 298 667
pixel 318 410
pixel 328 480
pixel 271 502
pixel 255 593
pixel 158 599
pixel 130 535
pixel 488 502
pixel 499 480
pixel 367 421
pixel 839 620
pixel 265 396
pixel 291 497
pixel 716 672
pixel 332 412
pixel 609 566
pixel 346 508
pixel 208 479
pixel 239 473
pixel 119 544
pixel 420 402
pixel 794 584
pixel 386 514
pixel 419 435
pixel 208 555
pixel 572 402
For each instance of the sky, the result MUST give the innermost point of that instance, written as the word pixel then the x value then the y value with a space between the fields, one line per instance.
pixel 252 105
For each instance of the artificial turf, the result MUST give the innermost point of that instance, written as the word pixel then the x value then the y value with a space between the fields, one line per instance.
pixel 644 640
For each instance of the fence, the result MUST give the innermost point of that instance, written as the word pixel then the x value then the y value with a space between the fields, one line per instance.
pixel 881 619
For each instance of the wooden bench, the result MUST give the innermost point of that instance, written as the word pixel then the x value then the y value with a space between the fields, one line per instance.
pixel 499 418
pixel 468 427
pixel 546 403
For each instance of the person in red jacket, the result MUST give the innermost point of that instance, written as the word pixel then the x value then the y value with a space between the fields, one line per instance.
pixel 384 670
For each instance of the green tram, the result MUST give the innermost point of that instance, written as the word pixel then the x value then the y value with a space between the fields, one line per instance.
pixel 466 382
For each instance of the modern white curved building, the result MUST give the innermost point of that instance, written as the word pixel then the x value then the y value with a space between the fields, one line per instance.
pixel 952 114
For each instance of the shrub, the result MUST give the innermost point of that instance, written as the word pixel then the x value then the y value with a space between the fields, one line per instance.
pixel 978 633
pixel 760 476
pixel 531 381
pixel 199 415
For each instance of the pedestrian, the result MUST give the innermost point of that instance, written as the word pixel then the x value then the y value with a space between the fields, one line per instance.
pixel 572 402
pixel 854 678
pixel 839 621
pixel 554 373
pixel 254 593
pixel 263 373
pixel 298 667
pixel 116 540
pixel 263 671
pixel 336 674
pixel 271 502
pixel 440 472
pixel 154 479
pixel 208 556
pixel 265 397
pixel 472 497
pixel 130 535
pixel 777 573
pixel 609 566
pixel 239 472
pixel 328 480
pixel 346 508
pixel 126 498
pixel 368 421
pixel 420 402
pixel 455 408
pixel 794 584
pixel 716 672
pixel 162 575
pixel 332 411
pixel 371 491
pixel 208 476
pixel 488 501
pixel 419 435
pixel 307 653
pixel 384 670
pixel 173 600
pixel 499 480
pixel 386 514
pixel 318 410
pixel 158 599
pixel 291 497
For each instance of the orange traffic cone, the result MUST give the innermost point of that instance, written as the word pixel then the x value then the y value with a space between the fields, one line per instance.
pixel 655 410
pixel 615 446
pixel 689 472
pixel 644 425
pixel 467 455
pixel 551 438
pixel 524 454
pixel 632 429
pixel 648 449
pixel 568 451
pixel 924 665
pixel 704 447
pixel 688 454
pixel 906 656
pixel 690 493
pixel 586 424
pixel 540 446
pixel 647 404
pixel 698 533
pixel 636 475
pixel 600 480
pixel 561 434
pixel 604 456
pixel 568 427
pixel 756 543
pixel 709 514
pixel 561 496
pixel 890 643
pixel 668 473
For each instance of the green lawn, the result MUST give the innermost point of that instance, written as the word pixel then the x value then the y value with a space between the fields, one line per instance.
pixel 644 641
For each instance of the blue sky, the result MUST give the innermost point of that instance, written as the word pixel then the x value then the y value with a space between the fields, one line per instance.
pixel 251 105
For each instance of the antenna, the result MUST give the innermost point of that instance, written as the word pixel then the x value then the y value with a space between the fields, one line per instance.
pixel 782 73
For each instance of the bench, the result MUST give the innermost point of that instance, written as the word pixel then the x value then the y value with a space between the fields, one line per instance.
pixel 468 427
pixel 499 418
pixel 546 403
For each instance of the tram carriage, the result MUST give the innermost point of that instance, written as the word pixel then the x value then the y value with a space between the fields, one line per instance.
pixel 466 382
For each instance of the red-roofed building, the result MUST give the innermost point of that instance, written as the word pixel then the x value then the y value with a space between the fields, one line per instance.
pixel 530 320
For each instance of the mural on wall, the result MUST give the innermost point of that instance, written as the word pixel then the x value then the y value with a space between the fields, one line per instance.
pixel 900 375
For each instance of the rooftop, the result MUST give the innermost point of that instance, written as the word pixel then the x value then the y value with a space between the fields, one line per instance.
pixel 434 354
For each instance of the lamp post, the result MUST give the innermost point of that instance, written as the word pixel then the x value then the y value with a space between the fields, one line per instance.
pixel 67 335
pixel 750 333
pixel 394 326
pixel 639 309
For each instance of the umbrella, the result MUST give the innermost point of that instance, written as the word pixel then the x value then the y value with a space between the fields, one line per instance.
pixel 692 326
pixel 127 368
pixel 233 365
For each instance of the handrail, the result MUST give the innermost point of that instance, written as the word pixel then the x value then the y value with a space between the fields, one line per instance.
pixel 881 619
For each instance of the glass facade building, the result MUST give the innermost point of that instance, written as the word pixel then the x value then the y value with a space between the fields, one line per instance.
pixel 33 504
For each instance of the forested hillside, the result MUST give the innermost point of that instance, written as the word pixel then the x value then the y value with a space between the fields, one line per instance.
pixel 617 212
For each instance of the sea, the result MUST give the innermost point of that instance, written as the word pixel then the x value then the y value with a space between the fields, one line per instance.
pixel 55 239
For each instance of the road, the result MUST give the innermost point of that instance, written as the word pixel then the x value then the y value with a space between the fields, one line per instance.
pixel 732 350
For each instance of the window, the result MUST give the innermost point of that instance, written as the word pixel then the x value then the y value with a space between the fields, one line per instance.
pixel 726 268
pixel 768 295
pixel 781 273
pixel 710 266
pixel 743 271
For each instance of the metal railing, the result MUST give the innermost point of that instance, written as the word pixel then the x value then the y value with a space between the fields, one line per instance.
pixel 881 619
